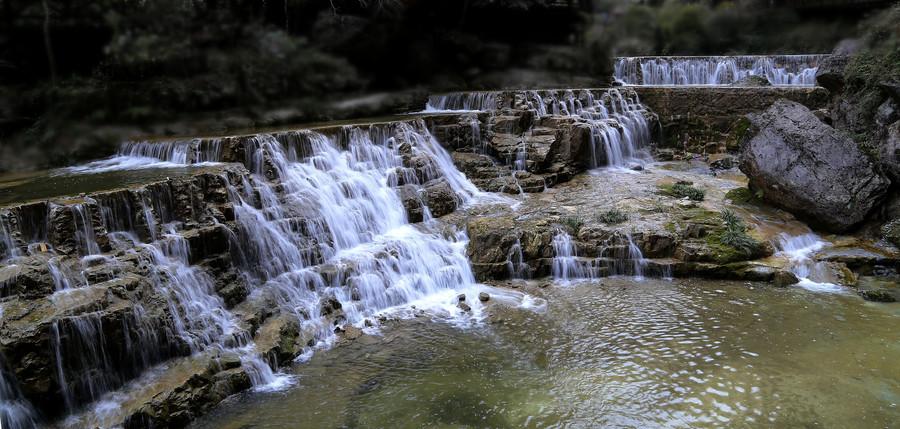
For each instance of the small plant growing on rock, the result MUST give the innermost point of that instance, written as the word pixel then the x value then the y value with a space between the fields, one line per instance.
pixel 735 234
pixel 572 223
pixel 613 216
pixel 682 190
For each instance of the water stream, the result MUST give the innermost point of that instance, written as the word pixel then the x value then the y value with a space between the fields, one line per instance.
pixel 797 70
pixel 680 354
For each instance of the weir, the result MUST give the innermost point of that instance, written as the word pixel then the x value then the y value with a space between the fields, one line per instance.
pixel 794 70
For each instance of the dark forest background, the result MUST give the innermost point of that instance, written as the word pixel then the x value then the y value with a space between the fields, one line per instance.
pixel 77 76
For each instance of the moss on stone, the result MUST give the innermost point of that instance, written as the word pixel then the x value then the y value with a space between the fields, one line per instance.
pixel 737 134
pixel 743 195
pixel 682 190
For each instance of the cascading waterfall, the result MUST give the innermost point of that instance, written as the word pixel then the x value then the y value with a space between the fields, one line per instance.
pixel 620 131
pixel 8 248
pixel 515 263
pixel 15 411
pixel 566 264
pixel 798 249
pixel 797 70
pixel 462 101
pixel 353 222
pixel 153 154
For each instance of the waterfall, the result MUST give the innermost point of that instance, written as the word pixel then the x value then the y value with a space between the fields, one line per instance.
pixel 515 263
pixel 15 411
pixel 8 247
pixel 84 229
pixel 134 155
pixel 354 225
pixel 798 250
pixel 566 264
pixel 462 101
pixel 620 131
pixel 797 70
pixel 625 259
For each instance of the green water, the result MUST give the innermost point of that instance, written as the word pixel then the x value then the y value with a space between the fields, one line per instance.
pixel 618 354
pixel 45 185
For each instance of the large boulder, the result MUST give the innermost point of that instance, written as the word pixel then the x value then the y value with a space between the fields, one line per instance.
pixel 809 169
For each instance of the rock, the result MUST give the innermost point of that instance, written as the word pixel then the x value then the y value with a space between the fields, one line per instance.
pixel 891 232
pixel 753 80
pixel 889 151
pixel 636 167
pixel 887 113
pixel 484 297
pixel 721 161
pixel 440 198
pixel 464 307
pixel 784 278
pixel 880 295
pixel 461 297
pixel 830 74
pixel 810 169
pixel 665 154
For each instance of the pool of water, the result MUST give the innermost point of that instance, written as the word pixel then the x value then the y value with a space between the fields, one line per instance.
pixel 43 185
pixel 620 353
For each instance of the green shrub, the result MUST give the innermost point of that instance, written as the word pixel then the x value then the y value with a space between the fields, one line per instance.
pixel 683 189
pixel 573 224
pixel 735 233
pixel 613 216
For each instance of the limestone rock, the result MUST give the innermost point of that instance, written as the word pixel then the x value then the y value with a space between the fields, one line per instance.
pixel 810 169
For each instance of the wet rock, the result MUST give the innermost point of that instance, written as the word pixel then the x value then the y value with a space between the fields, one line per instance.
pixel 29 278
pixel 784 278
pixel 830 73
pixel 721 161
pixel 464 307
pixel 880 295
pixel 461 297
pixel 809 169
pixel 440 198
pixel 198 395
pixel 483 296
pixel 889 151
pixel 753 80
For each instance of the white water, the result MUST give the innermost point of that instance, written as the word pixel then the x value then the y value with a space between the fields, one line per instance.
pixel 153 154
pixel 515 263
pixel 799 249
pixel 8 248
pixel 356 228
pixel 620 131
pixel 567 265
pixel 797 70
pixel 463 101
pixel 15 411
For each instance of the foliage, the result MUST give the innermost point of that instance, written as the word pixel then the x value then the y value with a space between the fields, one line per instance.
pixel 613 216
pixel 683 189
pixel 572 223
pixel 735 233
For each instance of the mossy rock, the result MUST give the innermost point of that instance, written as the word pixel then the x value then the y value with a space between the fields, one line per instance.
pixel 744 196
pixel 737 134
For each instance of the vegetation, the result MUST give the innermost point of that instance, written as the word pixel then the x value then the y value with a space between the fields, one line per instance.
pixel 735 233
pixel 744 195
pixel 675 27
pixel 573 224
pixel 613 216
pixel 683 189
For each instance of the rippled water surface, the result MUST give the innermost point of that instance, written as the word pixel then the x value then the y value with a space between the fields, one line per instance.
pixel 614 354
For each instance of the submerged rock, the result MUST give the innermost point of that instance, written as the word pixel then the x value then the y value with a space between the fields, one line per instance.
pixel 810 169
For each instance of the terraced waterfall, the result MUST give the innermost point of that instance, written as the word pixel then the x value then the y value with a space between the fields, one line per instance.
pixel 447 267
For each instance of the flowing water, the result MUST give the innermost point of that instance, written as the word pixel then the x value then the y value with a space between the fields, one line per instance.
pixel 813 275
pixel 797 70
pixel 623 354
